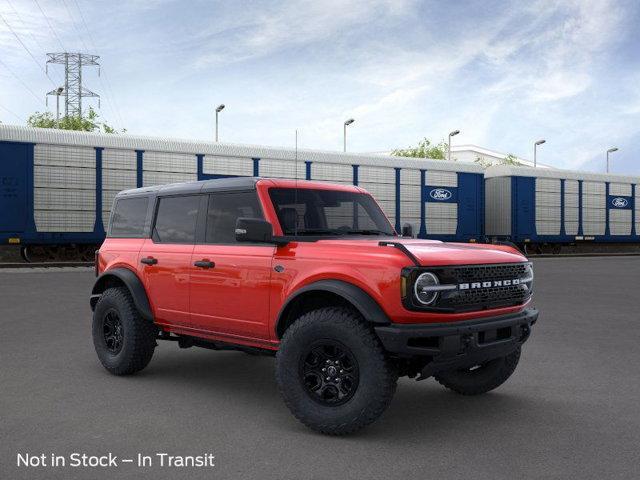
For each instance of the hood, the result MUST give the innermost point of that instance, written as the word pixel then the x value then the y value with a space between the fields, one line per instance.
pixel 434 252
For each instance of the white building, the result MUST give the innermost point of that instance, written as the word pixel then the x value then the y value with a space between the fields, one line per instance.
pixel 470 153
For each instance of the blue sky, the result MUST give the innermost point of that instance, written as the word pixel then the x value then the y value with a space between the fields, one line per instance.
pixel 504 73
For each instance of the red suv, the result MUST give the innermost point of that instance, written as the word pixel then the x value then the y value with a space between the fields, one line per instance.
pixel 314 274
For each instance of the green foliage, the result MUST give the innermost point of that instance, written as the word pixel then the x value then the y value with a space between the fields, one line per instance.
pixel 510 159
pixel 87 123
pixel 425 149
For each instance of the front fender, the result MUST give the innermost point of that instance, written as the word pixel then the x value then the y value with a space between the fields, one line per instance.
pixel 133 284
pixel 361 300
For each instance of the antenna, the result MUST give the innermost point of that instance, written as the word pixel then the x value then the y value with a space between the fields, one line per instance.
pixel 295 192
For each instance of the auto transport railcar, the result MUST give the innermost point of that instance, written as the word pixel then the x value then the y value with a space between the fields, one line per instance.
pixel 547 210
pixel 58 186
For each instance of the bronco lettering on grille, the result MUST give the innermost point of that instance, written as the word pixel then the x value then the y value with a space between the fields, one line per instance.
pixel 493 283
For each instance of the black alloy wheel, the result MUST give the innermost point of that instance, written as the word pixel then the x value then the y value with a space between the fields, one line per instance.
pixel 329 372
pixel 112 331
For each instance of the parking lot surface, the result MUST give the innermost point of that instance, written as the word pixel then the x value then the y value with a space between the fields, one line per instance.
pixel 569 411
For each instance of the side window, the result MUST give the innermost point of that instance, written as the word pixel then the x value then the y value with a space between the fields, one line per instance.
pixel 223 211
pixel 128 217
pixel 176 219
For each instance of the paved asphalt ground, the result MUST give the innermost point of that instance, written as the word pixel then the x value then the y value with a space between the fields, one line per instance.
pixel 571 410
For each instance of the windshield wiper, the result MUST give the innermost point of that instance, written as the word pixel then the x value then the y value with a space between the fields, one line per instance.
pixel 367 232
pixel 320 231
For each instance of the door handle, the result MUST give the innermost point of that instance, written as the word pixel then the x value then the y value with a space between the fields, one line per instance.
pixel 149 261
pixel 204 264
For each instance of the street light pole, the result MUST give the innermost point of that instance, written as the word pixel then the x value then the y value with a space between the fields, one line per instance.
pixel 344 135
pixel 59 90
pixel 219 108
pixel 535 152
pixel 611 150
pixel 451 134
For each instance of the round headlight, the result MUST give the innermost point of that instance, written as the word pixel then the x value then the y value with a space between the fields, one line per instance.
pixel 421 289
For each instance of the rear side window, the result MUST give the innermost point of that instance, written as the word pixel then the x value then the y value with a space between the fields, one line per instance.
pixel 128 217
pixel 176 219
pixel 223 211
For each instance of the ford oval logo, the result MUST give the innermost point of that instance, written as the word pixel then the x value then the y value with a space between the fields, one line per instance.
pixel 440 194
pixel 619 202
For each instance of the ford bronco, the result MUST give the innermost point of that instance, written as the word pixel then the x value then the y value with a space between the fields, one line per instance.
pixel 314 274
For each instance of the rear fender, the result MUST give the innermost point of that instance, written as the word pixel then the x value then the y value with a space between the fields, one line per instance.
pixel 130 281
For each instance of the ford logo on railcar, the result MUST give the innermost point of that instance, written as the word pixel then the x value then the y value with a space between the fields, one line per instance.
pixel 619 202
pixel 440 194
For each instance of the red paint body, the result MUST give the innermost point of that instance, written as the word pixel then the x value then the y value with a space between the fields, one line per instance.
pixel 240 299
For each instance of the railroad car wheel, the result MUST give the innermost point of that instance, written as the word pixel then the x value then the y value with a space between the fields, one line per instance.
pixel 124 341
pixel 480 378
pixel 333 373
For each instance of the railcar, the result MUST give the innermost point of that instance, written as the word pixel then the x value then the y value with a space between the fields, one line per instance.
pixel 551 210
pixel 58 186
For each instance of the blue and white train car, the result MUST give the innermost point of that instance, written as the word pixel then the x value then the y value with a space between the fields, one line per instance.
pixel 58 186
pixel 544 209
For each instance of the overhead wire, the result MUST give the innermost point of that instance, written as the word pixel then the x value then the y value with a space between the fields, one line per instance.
pixel 24 84
pixel 12 113
pixel 50 26
pixel 33 37
pixel 27 50
pixel 106 85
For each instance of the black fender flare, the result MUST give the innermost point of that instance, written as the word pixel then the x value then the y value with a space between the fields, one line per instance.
pixel 133 284
pixel 361 300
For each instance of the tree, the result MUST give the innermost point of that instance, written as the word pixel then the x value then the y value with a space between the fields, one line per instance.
pixel 424 150
pixel 87 123
pixel 510 159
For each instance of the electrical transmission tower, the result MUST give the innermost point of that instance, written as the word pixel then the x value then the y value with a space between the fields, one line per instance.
pixel 73 90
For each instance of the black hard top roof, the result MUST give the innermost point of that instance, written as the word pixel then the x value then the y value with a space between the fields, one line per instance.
pixel 201 186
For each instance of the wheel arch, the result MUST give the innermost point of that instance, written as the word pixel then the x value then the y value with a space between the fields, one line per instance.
pixel 329 293
pixel 119 277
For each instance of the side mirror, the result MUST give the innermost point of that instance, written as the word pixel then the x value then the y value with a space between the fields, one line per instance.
pixel 253 230
pixel 407 230
pixel 256 230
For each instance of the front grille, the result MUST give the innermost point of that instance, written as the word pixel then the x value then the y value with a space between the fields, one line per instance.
pixel 488 296
pixel 476 289
pixel 474 273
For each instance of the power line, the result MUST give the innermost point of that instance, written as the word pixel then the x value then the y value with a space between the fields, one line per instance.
pixel 21 81
pixel 75 27
pixel 106 85
pixel 24 25
pixel 12 113
pixel 27 49
pixel 50 26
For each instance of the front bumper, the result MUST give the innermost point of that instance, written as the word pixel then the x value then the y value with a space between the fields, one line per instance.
pixel 448 346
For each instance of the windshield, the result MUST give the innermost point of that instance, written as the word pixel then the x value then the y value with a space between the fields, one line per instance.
pixel 308 212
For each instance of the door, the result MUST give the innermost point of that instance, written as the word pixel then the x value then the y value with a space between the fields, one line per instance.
pixel 165 258
pixel 13 186
pixel 229 280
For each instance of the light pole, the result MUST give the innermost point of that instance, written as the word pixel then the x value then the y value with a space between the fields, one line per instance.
pixel 611 150
pixel 344 136
pixel 59 91
pixel 451 134
pixel 535 152
pixel 218 110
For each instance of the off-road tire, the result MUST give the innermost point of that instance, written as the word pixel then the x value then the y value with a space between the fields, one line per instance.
pixel 482 379
pixel 377 376
pixel 138 335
